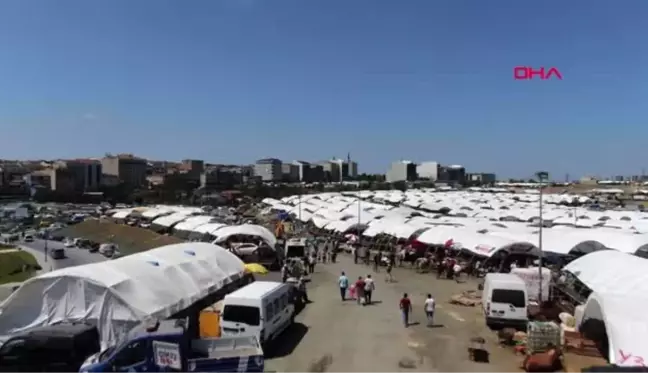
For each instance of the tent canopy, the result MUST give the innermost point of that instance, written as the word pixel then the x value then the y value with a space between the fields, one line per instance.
pixel 625 324
pixel 116 294
pixel 245 229
pixel 611 272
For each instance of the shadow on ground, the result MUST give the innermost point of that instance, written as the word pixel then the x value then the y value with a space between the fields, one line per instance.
pixel 286 343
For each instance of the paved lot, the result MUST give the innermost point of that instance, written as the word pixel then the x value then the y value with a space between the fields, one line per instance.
pixel 332 335
pixel 74 255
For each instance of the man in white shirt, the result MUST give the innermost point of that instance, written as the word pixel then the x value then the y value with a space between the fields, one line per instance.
pixel 368 289
pixel 429 307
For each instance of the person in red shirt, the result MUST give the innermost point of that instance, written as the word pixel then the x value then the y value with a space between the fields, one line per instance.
pixel 406 309
pixel 359 288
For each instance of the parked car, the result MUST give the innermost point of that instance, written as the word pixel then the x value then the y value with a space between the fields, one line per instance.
pixel 58 253
pixel 93 247
pixel 108 249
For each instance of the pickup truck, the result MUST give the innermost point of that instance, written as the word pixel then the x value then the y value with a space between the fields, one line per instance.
pixel 165 346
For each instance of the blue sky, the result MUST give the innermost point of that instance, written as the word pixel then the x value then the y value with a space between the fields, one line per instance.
pixel 235 80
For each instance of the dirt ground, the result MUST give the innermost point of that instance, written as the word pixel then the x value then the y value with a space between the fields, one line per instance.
pixel 332 335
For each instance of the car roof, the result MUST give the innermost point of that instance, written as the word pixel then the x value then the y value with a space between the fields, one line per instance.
pixel 254 290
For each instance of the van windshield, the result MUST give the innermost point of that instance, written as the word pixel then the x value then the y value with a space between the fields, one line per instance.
pixel 513 297
pixel 242 314
pixel 295 251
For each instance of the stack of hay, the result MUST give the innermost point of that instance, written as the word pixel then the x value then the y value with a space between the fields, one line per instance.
pixel 468 298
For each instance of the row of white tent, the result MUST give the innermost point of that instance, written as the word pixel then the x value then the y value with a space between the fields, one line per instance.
pixel 194 220
pixel 117 294
pixel 479 222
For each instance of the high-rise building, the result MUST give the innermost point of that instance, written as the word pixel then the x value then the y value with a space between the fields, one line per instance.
pixel 428 170
pixel 87 174
pixel 331 171
pixel 455 174
pixel 401 171
pixel 268 169
pixel 347 169
pixel 309 172
pixel 127 168
pixel 290 172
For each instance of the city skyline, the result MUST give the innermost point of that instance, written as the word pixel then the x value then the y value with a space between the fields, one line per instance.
pixel 234 81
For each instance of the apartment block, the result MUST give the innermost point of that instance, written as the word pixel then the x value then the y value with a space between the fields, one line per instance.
pixel 331 171
pixel 129 169
pixel 268 169
pixel 290 173
pixel 87 174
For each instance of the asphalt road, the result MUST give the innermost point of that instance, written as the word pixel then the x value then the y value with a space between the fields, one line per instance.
pixel 73 255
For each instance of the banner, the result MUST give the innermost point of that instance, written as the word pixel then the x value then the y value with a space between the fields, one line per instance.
pixel 531 277
pixel 167 355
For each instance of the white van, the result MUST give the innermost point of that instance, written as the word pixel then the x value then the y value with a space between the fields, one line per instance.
pixel 263 309
pixel 504 300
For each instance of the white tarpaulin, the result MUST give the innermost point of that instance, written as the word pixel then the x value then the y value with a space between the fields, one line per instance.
pixel 531 277
pixel 117 294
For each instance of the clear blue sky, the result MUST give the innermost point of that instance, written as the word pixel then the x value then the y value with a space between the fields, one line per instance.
pixel 235 80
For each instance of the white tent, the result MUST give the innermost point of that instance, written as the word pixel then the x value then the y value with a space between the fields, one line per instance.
pixel 117 294
pixel 245 229
pixel 619 286
pixel 625 324
pixel 611 272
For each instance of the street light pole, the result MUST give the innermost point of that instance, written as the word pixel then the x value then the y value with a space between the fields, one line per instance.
pixel 542 176
pixel 300 204
pixel 358 228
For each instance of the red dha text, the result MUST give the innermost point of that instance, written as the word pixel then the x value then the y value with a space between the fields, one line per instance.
pixel 528 73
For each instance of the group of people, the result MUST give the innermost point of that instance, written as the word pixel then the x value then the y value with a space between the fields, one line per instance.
pixel 361 290
pixel 405 306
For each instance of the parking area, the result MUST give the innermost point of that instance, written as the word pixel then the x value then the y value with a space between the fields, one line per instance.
pixel 343 336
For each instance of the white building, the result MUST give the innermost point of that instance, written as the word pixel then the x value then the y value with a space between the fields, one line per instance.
pixel 401 171
pixel 428 170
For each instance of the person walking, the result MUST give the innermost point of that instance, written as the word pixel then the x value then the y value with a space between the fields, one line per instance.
pixel 359 290
pixel 376 260
pixel 285 272
pixel 369 287
pixel 429 307
pixel 301 286
pixel 406 309
pixel 311 263
pixel 343 283
pixel 388 277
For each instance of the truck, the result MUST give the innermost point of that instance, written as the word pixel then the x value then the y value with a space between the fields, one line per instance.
pixel 167 346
